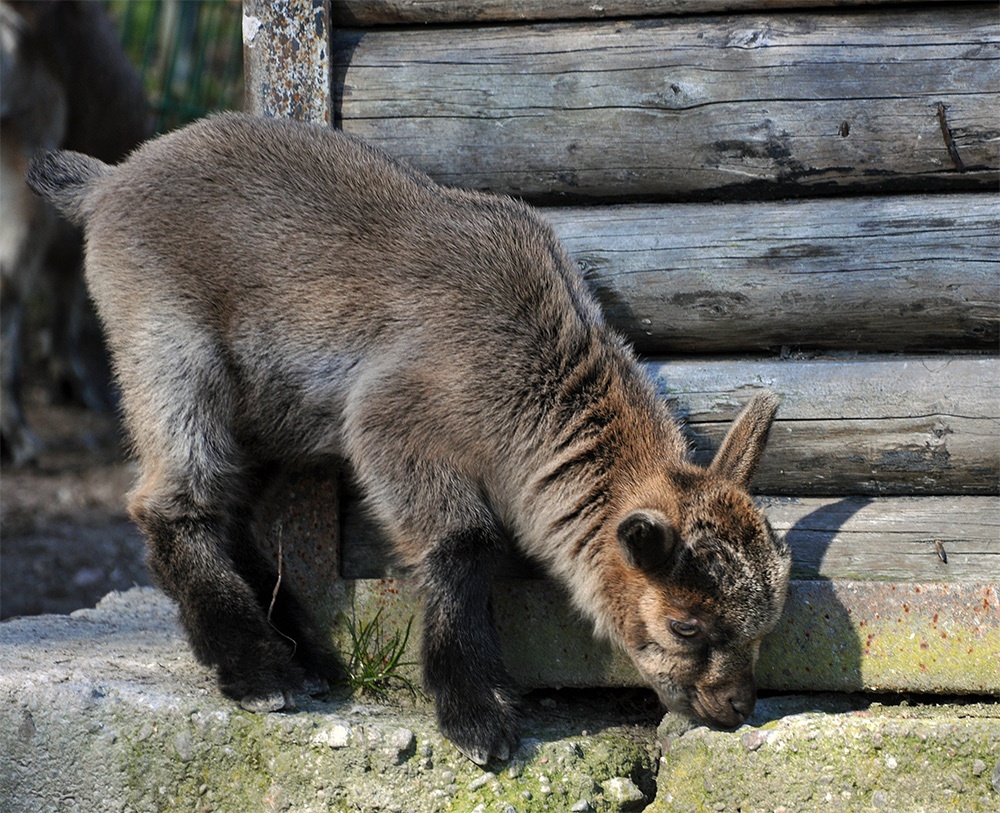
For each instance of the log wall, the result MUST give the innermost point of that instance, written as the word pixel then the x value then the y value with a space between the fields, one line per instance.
pixel 885 273
pixel 739 107
pixel 793 194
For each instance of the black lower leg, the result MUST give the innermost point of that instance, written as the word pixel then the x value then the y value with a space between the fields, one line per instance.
pixel 463 666
pixel 224 620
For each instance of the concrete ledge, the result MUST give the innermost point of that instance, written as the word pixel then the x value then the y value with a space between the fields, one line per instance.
pixel 822 754
pixel 106 710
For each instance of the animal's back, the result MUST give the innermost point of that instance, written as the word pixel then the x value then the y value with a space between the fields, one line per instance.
pixel 238 206
pixel 317 260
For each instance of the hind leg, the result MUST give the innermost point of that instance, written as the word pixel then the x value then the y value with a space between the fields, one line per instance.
pixel 17 442
pixel 193 503
pixel 191 541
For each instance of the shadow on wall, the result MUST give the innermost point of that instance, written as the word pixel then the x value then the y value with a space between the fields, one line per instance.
pixel 816 646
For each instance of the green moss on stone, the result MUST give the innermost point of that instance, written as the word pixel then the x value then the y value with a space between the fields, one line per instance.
pixel 227 760
pixel 849 762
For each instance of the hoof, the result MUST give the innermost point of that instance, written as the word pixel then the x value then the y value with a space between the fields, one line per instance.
pixel 261 704
pixel 485 727
pixel 313 686
pixel 484 756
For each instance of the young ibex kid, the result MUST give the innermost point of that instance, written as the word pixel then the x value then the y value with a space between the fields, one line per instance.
pixel 278 293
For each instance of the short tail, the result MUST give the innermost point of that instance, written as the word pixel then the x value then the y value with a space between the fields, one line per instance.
pixel 64 179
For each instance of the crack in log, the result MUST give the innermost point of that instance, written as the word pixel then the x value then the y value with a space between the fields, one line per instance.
pixel 644 106
pixel 949 139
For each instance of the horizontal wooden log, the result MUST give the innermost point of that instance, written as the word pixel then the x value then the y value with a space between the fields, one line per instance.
pixel 875 426
pixel 402 12
pixel 859 538
pixel 923 539
pixel 884 273
pixel 693 108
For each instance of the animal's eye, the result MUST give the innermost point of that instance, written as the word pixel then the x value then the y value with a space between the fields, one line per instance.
pixel 685 629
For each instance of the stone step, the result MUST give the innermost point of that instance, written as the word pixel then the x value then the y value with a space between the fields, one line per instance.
pixel 106 710
pixel 833 753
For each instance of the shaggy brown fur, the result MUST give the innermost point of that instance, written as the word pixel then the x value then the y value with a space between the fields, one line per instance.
pixel 275 292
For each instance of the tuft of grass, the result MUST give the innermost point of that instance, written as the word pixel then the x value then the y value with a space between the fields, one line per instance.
pixel 376 657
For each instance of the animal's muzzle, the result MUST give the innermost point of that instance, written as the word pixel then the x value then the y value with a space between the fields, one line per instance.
pixel 726 706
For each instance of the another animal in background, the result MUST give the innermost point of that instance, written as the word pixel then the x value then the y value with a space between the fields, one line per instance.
pixel 64 82
pixel 282 294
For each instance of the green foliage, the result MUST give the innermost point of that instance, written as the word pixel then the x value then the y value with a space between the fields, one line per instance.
pixel 189 54
pixel 376 657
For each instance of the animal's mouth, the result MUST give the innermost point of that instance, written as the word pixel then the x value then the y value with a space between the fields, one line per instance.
pixel 674 701
pixel 705 709
pixel 699 714
pixel 718 714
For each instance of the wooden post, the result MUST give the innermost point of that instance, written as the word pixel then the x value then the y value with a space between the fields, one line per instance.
pixel 286 52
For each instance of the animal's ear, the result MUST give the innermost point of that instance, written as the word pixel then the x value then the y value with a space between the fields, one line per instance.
pixel 743 446
pixel 647 539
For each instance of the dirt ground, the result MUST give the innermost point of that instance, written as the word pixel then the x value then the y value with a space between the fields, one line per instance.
pixel 65 539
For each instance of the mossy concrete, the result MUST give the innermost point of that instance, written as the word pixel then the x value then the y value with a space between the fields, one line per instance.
pixel 106 710
pixel 835 754
pixel 833 636
pixel 346 757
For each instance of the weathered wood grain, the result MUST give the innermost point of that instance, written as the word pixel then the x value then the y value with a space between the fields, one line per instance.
pixel 859 538
pixel 882 273
pixel 696 108
pixel 874 426
pixel 890 538
pixel 397 12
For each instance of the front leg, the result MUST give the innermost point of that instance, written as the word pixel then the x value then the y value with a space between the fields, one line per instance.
pixel 462 663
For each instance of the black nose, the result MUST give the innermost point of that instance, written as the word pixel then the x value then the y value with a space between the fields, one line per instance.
pixel 742 699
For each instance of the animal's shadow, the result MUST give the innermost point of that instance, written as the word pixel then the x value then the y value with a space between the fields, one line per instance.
pixel 816 646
